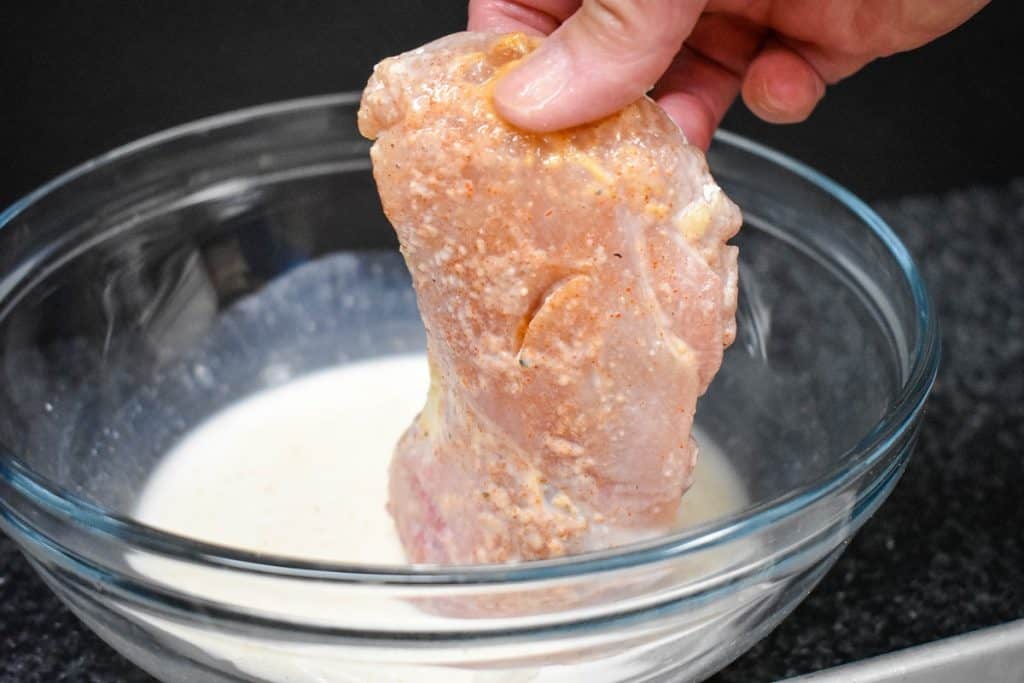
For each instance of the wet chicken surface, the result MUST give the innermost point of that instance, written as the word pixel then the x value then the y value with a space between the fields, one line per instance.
pixel 577 294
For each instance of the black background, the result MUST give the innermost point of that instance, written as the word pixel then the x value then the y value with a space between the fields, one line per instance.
pixel 943 556
pixel 77 78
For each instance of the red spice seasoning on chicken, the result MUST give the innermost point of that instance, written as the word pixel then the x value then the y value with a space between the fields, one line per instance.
pixel 577 293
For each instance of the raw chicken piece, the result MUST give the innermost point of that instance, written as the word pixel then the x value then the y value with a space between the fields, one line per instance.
pixel 577 294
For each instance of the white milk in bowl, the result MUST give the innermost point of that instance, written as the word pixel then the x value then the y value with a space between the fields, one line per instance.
pixel 300 470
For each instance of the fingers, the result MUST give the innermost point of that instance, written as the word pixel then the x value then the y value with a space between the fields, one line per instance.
pixel 539 17
pixel 705 76
pixel 696 96
pixel 781 86
pixel 604 56
pixel 922 21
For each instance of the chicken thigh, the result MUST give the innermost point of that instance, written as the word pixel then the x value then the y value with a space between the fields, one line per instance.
pixel 577 294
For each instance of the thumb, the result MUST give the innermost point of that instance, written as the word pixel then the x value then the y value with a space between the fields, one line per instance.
pixel 605 56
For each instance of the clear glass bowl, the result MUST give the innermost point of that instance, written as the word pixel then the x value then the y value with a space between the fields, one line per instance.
pixel 127 316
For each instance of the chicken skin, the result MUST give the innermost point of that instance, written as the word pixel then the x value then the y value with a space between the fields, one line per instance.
pixel 577 293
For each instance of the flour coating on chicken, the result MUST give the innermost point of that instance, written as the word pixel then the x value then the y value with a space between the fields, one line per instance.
pixel 577 293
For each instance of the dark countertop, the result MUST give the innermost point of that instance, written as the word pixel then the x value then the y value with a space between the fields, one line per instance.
pixel 943 556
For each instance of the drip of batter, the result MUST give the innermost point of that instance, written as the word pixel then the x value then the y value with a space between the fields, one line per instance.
pixel 577 293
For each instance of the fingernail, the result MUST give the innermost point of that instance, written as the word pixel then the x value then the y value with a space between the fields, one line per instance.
pixel 536 82
pixel 771 100
pixel 789 101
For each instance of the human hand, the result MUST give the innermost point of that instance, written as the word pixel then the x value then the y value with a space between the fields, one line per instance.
pixel 699 54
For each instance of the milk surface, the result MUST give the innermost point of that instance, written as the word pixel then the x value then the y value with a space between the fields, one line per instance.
pixel 301 470
pixel 298 470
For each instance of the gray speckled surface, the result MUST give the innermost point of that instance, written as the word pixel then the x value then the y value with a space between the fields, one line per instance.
pixel 944 555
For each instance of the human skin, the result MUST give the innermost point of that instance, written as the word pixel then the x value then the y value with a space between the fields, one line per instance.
pixel 699 54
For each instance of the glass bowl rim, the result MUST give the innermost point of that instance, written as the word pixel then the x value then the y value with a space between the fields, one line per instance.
pixel 856 461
